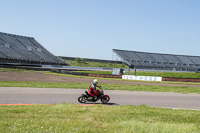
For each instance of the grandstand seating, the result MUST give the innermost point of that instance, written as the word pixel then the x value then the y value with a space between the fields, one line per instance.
pixel 25 50
pixel 158 61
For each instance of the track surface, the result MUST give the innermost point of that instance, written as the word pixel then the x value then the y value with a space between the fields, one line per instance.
pixel 17 95
pixel 54 96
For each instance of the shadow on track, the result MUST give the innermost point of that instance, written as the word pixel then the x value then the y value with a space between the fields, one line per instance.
pixel 106 104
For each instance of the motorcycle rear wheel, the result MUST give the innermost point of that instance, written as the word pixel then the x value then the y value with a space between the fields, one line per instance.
pixel 106 100
pixel 82 99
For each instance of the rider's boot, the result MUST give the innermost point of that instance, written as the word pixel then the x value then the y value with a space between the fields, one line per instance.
pixel 94 99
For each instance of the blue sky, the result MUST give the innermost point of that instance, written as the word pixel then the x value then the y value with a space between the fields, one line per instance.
pixel 92 28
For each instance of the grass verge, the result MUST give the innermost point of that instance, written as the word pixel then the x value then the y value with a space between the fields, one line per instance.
pixel 97 119
pixel 149 88
pixel 153 73
pixel 83 63
pixel 118 79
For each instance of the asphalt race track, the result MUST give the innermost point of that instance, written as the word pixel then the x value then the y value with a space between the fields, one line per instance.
pixel 17 95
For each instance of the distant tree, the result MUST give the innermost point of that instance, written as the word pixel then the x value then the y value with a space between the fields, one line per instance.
pixel 83 60
pixel 78 60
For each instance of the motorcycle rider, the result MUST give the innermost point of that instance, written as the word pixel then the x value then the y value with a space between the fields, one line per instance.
pixel 93 91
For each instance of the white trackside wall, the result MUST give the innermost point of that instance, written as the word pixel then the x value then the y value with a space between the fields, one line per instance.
pixel 145 78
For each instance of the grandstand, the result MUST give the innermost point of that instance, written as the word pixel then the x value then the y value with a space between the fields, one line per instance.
pixel 158 61
pixel 21 50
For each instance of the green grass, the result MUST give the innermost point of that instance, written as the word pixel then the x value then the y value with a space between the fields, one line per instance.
pixel 95 64
pixel 153 73
pixel 169 74
pixel 97 119
pixel 119 79
pixel 20 70
pixel 148 88
pixel 138 73
pixel 42 84
pixel 96 72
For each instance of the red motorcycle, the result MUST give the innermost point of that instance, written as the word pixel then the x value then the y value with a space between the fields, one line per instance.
pixel 87 98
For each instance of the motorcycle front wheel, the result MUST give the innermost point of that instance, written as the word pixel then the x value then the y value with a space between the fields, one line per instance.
pixel 82 99
pixel 105 100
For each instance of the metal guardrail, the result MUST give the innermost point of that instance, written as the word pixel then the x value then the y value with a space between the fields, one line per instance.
pixel 74 67
pixel 105 69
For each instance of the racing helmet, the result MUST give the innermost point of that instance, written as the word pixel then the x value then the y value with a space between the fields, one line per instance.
pixel 95 81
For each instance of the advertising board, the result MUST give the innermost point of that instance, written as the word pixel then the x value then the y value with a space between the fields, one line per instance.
pixel 145 78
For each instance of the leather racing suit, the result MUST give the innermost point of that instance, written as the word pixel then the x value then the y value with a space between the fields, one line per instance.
pixel 92 91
